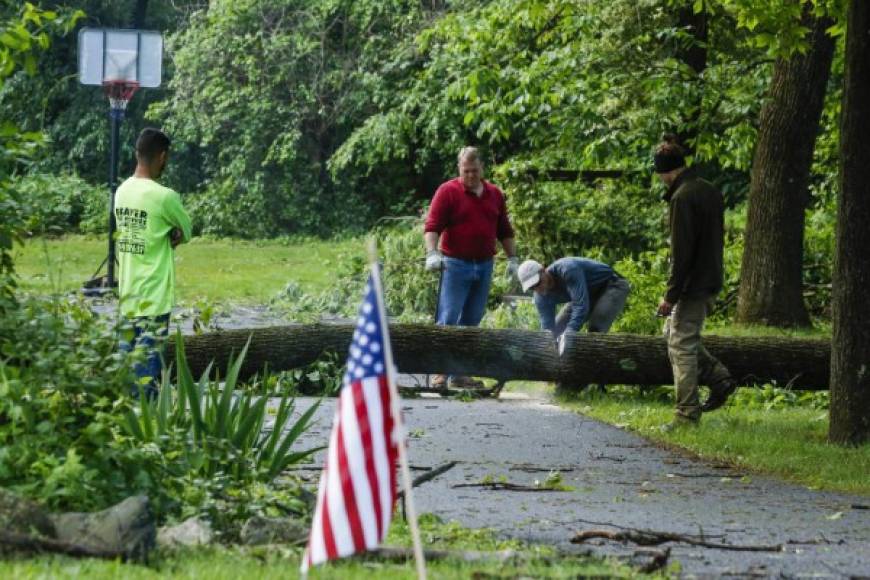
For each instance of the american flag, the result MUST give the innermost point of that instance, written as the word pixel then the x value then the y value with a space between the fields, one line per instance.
pixel 357 492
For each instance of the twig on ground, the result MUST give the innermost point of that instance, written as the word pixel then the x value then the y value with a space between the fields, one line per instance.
pixel 717 475
pixel 396 554
pixel 527 468
pixel 608 457
pixel 505 486
pixel 652 538
pixel 430 475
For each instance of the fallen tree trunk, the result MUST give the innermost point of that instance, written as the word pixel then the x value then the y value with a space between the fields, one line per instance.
pixel 521 354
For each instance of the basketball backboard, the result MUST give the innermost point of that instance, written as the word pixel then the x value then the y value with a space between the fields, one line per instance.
pixel 118 55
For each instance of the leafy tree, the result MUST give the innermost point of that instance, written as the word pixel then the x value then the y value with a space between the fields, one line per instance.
pixel 266 90
pixel 21 37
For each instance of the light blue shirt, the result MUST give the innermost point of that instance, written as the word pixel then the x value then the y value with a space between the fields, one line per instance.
pixel 576 279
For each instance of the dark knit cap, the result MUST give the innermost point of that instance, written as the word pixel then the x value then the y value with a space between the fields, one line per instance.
pixel 669 155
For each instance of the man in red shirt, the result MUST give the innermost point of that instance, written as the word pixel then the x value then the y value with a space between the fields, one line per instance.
pixel 465 219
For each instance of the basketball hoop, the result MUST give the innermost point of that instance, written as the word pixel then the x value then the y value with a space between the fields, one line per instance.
pixel 119 93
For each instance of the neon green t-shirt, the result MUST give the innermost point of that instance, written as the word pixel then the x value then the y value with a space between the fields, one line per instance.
pixel 145 214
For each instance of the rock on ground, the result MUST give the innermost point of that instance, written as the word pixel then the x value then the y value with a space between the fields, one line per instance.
pixel 262 530
pixel 127 527
pixel 191 532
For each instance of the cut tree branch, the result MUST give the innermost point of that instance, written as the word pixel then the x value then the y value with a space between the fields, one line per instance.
pixel 651 538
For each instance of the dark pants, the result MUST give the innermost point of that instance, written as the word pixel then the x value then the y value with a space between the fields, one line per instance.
pixel 146 334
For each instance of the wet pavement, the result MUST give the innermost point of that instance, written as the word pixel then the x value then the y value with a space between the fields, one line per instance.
pixel 618 479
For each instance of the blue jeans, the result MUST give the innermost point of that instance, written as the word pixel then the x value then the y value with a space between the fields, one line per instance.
pixel 464 290
pixel 604 308
pixel 147 333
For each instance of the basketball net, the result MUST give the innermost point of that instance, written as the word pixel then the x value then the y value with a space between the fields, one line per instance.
pixel 119 93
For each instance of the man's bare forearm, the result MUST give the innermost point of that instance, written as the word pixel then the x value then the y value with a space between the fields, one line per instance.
pixel 510 247
pixel 431 241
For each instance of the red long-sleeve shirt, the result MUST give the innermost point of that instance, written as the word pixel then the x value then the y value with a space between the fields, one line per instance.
pixel 468 225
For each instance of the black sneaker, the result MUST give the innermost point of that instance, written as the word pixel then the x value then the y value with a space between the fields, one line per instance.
pixel 719 395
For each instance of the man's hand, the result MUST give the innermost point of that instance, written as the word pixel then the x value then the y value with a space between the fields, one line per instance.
pixel 434 261
pixel 512 266
pixel 664 309
pixel 175 237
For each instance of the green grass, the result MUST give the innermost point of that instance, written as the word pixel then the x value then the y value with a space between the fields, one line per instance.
pixel 283 562
pixel 820 329
pixel 249 272
pixel 789 442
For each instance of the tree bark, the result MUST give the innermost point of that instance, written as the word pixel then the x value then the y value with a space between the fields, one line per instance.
pixel 520 354
pixel 771 288
pixel 850 363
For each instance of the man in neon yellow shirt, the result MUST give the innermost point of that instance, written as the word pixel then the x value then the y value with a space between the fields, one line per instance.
pixel 151 222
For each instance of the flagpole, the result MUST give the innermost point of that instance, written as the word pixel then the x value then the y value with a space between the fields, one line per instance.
pixel 396 411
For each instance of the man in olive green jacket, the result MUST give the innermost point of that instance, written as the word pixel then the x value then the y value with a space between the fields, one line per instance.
pixel 696 212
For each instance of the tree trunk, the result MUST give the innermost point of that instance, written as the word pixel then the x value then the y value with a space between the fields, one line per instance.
pixel 771 288
pixel 850 363
pixel 521 354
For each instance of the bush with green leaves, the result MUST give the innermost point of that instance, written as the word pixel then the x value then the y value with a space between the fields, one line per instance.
pixel 410 292
pixel 72 438
pixel 59 204
pixel 204 447
pixel 63 387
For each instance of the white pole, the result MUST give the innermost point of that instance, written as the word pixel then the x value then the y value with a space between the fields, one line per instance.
pixel 396 411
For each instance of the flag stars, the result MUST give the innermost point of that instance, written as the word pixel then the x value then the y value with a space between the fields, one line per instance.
pixel 375 347
pixel 379 368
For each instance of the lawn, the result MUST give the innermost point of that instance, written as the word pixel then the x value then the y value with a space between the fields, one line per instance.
pixel 247 272
pixel 753 431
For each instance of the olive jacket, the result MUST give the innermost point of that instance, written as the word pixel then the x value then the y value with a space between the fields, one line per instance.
pixel 697 230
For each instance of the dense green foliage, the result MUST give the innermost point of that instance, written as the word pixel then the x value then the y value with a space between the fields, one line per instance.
pixel 266 91
pixel 71 436
pixel 291 116
pixel 24 32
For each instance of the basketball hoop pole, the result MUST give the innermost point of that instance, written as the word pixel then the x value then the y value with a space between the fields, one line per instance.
pixel 116 115
pixel 122 61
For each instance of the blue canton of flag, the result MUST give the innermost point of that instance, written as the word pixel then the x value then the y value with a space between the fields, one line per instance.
pixel 367 348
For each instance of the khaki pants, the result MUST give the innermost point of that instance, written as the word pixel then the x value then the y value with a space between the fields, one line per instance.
pixel 691 363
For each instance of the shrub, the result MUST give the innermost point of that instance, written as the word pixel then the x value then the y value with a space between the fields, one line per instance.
pixel 71 437
pixel 62 388
pixel 59 204
pixel 203 446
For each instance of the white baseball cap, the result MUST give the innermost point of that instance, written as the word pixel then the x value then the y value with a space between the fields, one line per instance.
pixel 529 274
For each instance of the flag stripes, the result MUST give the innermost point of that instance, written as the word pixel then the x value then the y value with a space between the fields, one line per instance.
pixel 357 493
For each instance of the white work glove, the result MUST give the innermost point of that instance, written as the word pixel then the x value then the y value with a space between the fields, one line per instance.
pixel 434 261
pixel 512 266
pixel 561 341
